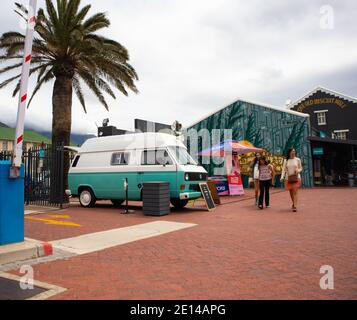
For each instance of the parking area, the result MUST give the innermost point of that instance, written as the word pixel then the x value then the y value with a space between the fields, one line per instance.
pixel 234 252
pixel 74 221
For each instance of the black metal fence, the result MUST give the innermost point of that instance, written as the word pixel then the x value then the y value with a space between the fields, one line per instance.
pixel 44 175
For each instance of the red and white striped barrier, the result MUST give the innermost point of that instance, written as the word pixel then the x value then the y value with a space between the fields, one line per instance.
pixel 19 136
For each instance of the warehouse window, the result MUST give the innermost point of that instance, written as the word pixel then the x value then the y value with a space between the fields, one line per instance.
pixel 321 117
pixel 341 134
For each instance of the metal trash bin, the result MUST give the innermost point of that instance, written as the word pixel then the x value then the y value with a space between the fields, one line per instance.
pixel 156 198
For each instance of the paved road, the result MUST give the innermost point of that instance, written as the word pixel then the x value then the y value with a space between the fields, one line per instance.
pixel 236 252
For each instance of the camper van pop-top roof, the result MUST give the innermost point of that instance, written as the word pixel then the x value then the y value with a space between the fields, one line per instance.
pixel 132 141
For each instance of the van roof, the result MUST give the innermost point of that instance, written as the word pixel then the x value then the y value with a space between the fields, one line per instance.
pixel 130 141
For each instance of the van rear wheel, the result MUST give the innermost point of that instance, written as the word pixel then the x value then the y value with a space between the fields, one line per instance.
pixel 178 203
pixel 117 203
pixel 87 198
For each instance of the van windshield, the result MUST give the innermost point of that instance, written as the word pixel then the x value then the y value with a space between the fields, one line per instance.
pixel 182 156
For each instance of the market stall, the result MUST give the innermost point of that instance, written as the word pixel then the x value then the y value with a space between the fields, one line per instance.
pixel 231 182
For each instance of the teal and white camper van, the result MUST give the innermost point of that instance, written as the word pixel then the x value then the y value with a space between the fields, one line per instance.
pixel 101 166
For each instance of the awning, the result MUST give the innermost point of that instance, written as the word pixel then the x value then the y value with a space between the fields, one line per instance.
pixel 229 147
pixel 330 140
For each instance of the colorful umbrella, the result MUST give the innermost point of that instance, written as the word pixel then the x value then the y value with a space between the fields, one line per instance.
pixel 229 147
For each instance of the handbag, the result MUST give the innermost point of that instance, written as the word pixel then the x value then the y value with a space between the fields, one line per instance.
pixel 293 178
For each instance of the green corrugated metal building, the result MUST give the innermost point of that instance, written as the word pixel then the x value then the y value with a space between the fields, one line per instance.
pixel 272 128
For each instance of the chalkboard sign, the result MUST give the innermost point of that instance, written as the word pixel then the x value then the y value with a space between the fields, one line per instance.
pixel 213 188
pixel 206 193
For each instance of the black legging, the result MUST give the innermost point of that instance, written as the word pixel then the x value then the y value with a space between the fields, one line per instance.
pixel 264 187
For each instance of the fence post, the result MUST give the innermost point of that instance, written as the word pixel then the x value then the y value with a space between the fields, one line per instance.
pixel 27 180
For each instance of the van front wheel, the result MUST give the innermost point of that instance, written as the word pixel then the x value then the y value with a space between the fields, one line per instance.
pixel 178 203
pixel 87 198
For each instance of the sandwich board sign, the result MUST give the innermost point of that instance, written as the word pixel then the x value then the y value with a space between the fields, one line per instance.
pixel 213 188
pixel 207 196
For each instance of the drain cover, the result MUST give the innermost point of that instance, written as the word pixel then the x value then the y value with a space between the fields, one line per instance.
pixel 11 290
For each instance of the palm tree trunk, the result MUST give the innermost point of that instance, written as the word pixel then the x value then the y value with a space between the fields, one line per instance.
pixel 61 135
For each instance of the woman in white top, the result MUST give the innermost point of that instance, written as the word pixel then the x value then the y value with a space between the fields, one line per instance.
pixel 292 175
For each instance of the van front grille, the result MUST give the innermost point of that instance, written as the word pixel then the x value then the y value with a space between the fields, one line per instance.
pixel 197 176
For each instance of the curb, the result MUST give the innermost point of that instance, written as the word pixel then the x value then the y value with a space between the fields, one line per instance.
pixel 22 251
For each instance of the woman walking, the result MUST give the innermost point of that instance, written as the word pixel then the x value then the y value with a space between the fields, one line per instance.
pixel 254 171
pixel 292 169
pixel 266 178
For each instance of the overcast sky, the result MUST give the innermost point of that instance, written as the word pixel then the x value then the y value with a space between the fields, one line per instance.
pixel 194 56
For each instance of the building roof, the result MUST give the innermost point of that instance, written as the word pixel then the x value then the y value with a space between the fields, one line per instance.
pixel 29 136
pixel 263 105
pixel 325 90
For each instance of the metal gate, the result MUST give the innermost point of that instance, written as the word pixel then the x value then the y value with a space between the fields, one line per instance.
pixel 44 175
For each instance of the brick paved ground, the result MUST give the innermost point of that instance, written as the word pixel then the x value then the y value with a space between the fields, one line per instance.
pixel 236 252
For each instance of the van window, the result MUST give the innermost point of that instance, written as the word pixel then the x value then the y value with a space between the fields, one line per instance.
pixel 75 162
pixel 182 156
pixel 120 159
pixel 156 157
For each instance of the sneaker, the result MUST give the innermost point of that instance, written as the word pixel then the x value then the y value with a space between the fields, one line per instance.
pixel 267 206
pixel 260 207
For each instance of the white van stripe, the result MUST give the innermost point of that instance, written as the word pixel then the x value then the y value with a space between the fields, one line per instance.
pixel 102 240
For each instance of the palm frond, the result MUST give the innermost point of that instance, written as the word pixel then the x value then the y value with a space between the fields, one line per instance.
pixel 91 83
pixel 8 68
pixel 42 80
pixel 78 90
pixel 96 22
pixel 17 88
pixel 8 81
pixel 66 44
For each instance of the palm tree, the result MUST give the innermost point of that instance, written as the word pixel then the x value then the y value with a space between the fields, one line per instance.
pixel 68 50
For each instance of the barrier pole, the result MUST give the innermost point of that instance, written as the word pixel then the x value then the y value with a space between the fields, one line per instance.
pixel 19 136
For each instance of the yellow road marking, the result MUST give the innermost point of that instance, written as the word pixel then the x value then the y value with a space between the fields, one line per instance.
pixel 55 222
pixel 57 216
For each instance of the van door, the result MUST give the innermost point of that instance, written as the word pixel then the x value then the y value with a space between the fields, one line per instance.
pixel 157 165
pixel 122 166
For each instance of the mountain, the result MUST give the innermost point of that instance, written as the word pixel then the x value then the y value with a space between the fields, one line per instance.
pixel 76 139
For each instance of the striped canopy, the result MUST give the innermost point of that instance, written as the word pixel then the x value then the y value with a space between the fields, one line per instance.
pixel 229 147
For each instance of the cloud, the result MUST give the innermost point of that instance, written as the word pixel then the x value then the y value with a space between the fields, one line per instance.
pixel 195 56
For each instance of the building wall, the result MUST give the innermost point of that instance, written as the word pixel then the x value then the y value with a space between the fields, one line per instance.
pixel 273 130
pixel 7 145
pixel 341 114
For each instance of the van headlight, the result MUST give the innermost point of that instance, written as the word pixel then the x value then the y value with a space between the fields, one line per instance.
pixel 187 176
